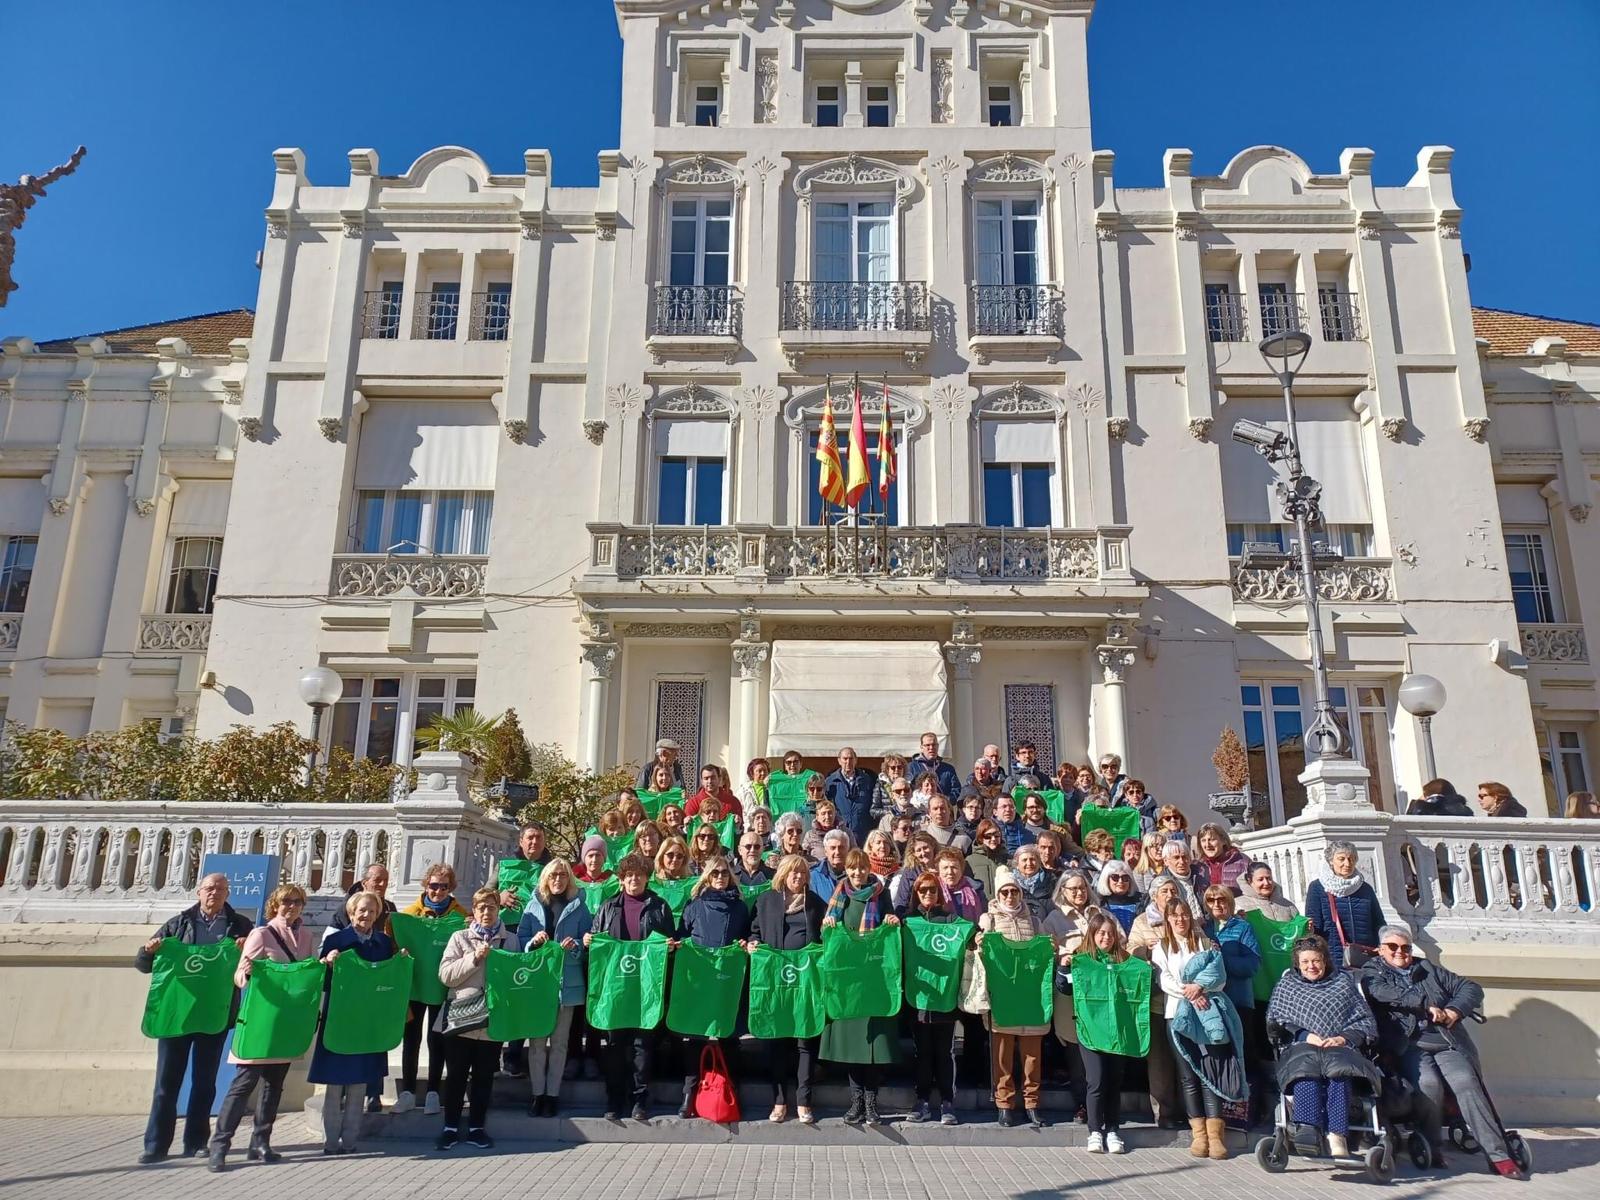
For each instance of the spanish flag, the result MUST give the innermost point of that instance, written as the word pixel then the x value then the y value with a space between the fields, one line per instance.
pixel 830 476
pixel 860 473
pixel 887 466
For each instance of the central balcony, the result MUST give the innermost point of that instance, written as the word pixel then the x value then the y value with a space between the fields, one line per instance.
pixel 401 576
pixel 1015 321
pixel 850 320
pixel 695 321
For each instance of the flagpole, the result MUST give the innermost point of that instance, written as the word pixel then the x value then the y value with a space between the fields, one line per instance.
pixel 827 523
pixel 855 510
pixel 883 451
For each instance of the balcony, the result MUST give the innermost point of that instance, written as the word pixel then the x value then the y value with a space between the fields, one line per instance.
pixel 695 321
pixel 437 315
pixel 1225 317
pixel 402 576
pixel 742 555
pixel 380 316
pixel 1282 312
pixel 1352 581
pixel 10 630
pixel 1341 320
pixel 825 319
pixel 1015 321
pixel 1560 645
pixel 490 317
pixel 174 633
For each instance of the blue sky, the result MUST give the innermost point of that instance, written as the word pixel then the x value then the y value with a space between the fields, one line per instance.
pixel 181 103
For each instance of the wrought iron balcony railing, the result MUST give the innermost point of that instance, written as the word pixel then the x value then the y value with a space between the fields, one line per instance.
pixel 697 310
pixel 1225 317
pixel 437 316
pixel 380 315
pixel 877 307
pixel 1341 320
pixel 1016 310
pixel 1281 312
pixel 490 319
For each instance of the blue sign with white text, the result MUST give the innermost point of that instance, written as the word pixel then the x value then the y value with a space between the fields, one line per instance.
pixel 251 878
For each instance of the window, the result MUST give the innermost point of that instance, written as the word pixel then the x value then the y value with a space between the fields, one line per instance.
pixel 377 717
pixel 1031 716
pixel 689 490
pixel 386 321
pixel 1276 715
pixel 442 312
pixel 825 106
pixel 872 505
pixel 701 241
pixel 1338 310
pixel 1008 241
pixel 1571 765
pixel 442 696
pixel 1224 314
pixel 16 572
pixel 1353 541
pixel 1017 495
pixel 496 312
pixel 707 103
pixel 1280 309
pixel 1533 588
pixel 192 579
pixel 395 521
pixel 880 105
pixel 1000 104
pixel 855 241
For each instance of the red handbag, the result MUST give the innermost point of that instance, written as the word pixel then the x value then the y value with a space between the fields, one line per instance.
pixel 714 1097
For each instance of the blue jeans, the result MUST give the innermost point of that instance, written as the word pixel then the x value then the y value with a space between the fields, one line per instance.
pixel 198 1055
pixel 1323 1103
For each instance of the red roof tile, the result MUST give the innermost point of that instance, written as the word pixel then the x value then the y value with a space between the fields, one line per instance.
pixel 208 333
pixel 1513 332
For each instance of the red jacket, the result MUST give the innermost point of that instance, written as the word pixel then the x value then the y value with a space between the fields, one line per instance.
pixel 730 803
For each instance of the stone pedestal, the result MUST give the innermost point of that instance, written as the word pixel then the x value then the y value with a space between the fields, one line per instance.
pixel 439 823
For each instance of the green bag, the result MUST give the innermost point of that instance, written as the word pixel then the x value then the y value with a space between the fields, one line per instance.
pixel 522 877
pixel 596 894
pixel 1055 802
pixel 787 793
pixel 425 937
pixel 707 986
pixel 367 1005
pixel 1111 1001
pixel 751 892
pixel 619 847
pixel 786 993
pixel 1121 823
pixel 861 972
pixel 627 982
pixel 191 988
pixel 279 1015
pixel 727 831
pixel 932 970
pixel 674 891
pixel 654 802
pixel 523 992
pixel 1277 939
pixel 1021 978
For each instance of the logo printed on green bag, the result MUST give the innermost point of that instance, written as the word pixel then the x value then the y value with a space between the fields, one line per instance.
pixel 521 976
pixel 942 943
pixel 628 966
pixel 1281 942
pixel 790 975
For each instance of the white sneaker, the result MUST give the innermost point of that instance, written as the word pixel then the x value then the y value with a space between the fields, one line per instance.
pixel 431 1104
pixel 1097 1142
pixel 404 1103
pixel 1114 1143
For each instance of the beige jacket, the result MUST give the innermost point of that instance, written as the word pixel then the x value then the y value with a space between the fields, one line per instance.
pixel 460 971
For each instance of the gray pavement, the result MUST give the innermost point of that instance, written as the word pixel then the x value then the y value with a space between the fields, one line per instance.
pixel 91 1158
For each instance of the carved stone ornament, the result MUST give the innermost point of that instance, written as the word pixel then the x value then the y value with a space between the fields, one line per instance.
pixel 59 505
pixel 353 226
pixel 330 427
pixel 763 167
pixel 766 89
pixel 1186 228
pixel 600 656
pixel 1106 227
pixel 1200 428
pixel 250 427
pixel 1117 428
pixel 1394 428
pixel 700 171
pixel 1449 226
pixel 750 658
pixel 952 401
pixel 804 408
pixel 277 229
pixel 704 631
pixel 624 398
pixel 1114 662
pixel 1034 633
pixel 695 400
pixel 1018 399
pixel 1476 428
pixel 144 506
pixel 595 431
pixel 532 226
pixel 1578 512
pixel 851 171
pixel 517 430
pixel 1008 168
pixel 758 401
pixel 1086 397
pixel 945 166
pixel 605 228
pixel 944 75
pixel 1369 229
pixel 1073 163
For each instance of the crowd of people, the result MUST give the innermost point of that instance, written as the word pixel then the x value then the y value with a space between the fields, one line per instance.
pixel 1019 850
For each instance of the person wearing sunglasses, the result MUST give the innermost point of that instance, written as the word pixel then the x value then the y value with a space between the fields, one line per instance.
pixel 1009 917
pixel 892 794
pixel 933 1033
pixel 715 917
pixel 437 900
pixel 750 868
pixel 988 855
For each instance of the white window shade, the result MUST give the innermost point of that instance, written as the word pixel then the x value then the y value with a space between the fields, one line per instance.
pixel 1521 504
pixel 428 446
pixel 879 697
pixel 21 506
pixel 1018 441
pixel 691 438
pixel 200 509
pixel 1330 452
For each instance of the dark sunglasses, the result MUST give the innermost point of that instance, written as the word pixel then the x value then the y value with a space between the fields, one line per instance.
pixel 437 887
pixel 1397 947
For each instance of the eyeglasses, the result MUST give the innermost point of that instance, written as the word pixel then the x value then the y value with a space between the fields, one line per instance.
pixel 1398 947
pixel 900 791
pixel 719 873
pixel 437 887
pixel 927 891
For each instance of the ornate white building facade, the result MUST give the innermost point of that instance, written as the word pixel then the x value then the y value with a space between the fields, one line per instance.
pixel 505 444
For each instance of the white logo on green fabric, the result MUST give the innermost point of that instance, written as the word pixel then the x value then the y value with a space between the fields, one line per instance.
pixel 521 977
pixel 790 975
pixel 941 943
pixel 195 963
pixel 1281 942
pixel 628 966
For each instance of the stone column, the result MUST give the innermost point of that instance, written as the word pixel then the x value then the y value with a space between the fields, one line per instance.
pixel 751 659
pixel 596 700
pixel 963 652
pixel 440 823
pixel 1114 663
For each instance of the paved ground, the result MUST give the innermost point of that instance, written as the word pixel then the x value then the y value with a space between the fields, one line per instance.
pixel 90 1158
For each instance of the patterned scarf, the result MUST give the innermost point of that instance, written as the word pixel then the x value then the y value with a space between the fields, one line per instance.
pixel 962 900
pixel 871 897
pixel 883 867
pixel 1328 1007
pixel 1338 885
pixel 488 933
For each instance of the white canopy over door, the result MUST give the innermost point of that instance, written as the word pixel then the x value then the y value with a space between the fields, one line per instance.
pixel 879 697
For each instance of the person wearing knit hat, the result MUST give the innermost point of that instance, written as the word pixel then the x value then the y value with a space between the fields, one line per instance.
pixel 591 866
pixel 1002 877
pixel 1010 918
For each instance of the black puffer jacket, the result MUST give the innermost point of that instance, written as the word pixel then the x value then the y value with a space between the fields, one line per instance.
pixel 1401 999
pixel 656 918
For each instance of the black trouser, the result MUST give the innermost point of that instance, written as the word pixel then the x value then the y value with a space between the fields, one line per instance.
pixel 794 1063
pixel 516 1055
pixel 1102 1074
pixel 630 1056
pixel 472 1063
pixel 585 1040
pixel 936 1060
pixel 864 1077
pixel 173 1062
pixel 974 1047
pixel 1198 1100
pixel 422 1018
pixel 237 1102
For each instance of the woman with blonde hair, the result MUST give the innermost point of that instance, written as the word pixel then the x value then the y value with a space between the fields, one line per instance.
pixel 672 860
pixel 1193 979
pixel 1149 864
pixel 789 917
pixel 714 917
pixel 557 913
pixel 1582 805
pixel 880 850
pixel 704 845
pixel 283 939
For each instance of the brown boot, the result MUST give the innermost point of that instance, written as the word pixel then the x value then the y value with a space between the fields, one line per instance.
pixel 1198 1143
pixel 1217 1134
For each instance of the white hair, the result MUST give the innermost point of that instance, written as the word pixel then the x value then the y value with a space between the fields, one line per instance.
pixel 1389 931
pixel 835 835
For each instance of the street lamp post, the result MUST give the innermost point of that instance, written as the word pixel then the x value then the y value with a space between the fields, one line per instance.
pixel 1301 497
pixel 319 687
pixel 1423 697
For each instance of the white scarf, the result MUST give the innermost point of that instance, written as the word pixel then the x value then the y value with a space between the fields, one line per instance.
pixel 1338 885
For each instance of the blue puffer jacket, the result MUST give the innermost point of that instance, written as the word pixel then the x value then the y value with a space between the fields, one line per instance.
pixel 1360 913
pixel 714 919
pixel 573 921
pixel 1241 956
pixel 1016 835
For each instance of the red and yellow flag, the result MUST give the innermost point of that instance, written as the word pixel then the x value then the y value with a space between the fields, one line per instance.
pixel 860 473
pixel 887 465
pixel 830 476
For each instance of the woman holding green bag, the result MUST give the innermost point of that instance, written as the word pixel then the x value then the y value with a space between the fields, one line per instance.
pixel 1009 917
pixel 934 1033
pixel 437 901
pixel 283 939
pixel 556 912
pixel 470 1056
pixel 715 917
pixel 348 1076
pixel 1103 941
pixel 864 1044
pixel 789 917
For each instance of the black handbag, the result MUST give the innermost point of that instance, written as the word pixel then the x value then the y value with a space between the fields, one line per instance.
pixel 465 1016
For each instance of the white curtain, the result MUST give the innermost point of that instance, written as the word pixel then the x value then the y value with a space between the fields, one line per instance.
pixel 1521 504
pixel 428 445
pixel 1018 441
pixel 691 438
pixel 878 697
pixel 991 243
pixel 833 243
pixel 200 509
pixel 877 245
pixel 1330 451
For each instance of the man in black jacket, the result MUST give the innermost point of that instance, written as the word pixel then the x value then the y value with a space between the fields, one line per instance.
pixel 1439 799
pixel 203 924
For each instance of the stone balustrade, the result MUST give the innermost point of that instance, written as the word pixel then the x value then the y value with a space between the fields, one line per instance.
pixel 174 633
pixel 1562 645
pixel 1354 581
pixel 425 576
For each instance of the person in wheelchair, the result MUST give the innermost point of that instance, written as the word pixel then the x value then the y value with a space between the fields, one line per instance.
pixel 1323 1022
pixel 1421 1007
